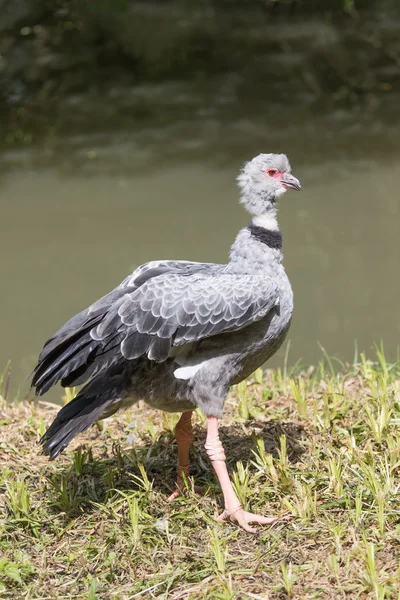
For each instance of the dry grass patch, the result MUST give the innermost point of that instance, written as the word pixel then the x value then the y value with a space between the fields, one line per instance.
pixel 321 447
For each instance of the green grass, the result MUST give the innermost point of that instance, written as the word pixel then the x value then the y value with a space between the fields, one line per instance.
pixel 319 447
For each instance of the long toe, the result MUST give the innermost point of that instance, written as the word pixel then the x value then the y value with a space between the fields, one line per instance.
pixel 244 518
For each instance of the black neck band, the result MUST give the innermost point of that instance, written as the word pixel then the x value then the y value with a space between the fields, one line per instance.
pixel 269 237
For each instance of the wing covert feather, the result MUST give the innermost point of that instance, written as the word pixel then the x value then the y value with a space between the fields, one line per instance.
pixel 172 309
pixel 92 340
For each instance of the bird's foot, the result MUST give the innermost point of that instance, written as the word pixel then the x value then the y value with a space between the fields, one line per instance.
pixel 243 518
pixel 233 510
pixel 182 489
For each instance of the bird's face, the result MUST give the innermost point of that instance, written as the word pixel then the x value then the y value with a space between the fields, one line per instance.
pixel 264 179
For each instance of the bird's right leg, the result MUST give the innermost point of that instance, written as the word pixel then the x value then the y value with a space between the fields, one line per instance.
pixel 233 509
pixel 184 438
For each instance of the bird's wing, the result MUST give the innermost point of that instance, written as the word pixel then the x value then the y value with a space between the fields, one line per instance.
pixel 145 272
pixel 71 354
pixel 174 309
pixel 88 317
pixel 160 267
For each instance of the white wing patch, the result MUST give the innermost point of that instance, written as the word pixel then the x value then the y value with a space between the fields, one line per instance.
pixel 187 372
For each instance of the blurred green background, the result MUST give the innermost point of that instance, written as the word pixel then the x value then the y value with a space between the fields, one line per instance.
pixel 123 126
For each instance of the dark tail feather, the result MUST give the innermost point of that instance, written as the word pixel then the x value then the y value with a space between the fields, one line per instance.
pixel 101 360
pixel 86 408
pixel 54 373
pixel 71 351
pixel 57 357
pixel 66 337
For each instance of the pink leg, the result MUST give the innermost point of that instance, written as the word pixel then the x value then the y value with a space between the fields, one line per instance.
pixel 184 438
pixel 233 510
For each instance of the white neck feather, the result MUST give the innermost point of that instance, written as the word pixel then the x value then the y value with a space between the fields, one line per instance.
pixel 267 221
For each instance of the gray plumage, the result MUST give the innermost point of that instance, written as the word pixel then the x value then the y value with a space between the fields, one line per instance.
pixel 178 334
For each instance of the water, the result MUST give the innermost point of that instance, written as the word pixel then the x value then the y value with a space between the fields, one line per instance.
pixel 79 213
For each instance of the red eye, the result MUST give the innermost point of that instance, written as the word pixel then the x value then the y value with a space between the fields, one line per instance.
pixel 272 172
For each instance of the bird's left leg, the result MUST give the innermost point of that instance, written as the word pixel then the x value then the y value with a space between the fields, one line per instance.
pixel 184 438
pixel 233 509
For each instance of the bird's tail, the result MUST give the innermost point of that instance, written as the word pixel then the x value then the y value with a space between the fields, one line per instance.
pixel 88 406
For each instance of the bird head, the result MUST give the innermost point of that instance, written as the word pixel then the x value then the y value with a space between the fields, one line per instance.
pixel 263 179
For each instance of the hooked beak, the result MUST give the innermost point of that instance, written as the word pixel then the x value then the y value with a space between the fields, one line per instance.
pixel 288 181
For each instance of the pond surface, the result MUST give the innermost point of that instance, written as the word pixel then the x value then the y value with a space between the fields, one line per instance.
pixel 78 213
